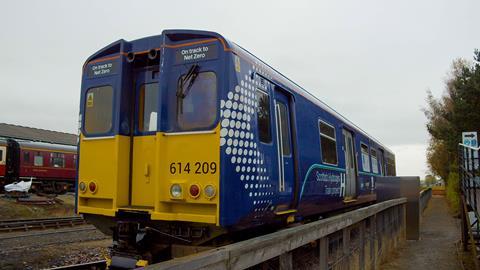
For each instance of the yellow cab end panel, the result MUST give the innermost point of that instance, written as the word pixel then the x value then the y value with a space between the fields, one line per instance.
pixel 188 159
pixel 144 171
pixel 105 162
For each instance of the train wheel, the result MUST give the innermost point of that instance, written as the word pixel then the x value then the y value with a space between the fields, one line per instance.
pixel 60 188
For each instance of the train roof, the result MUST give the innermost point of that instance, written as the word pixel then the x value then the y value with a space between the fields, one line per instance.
pixel 179 34
pixel 36 134
pixel 47 146
pixel 283 80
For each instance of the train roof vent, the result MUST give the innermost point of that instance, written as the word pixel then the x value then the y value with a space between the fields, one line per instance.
pixel 181 35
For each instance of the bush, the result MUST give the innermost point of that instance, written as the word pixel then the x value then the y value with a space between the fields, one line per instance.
pixel 453 191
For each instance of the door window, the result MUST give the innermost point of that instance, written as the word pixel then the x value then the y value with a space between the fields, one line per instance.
pixel 263 116
pixel 284 130
pixel 148 107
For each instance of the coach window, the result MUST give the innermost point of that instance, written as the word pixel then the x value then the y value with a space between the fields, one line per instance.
pixel 365 158
pixel 374 161
pixel 1 155
pixel 38 159
pixel 26 157
pixel 148 107
pixel 328 143
pixel 197 100
pixel 57 160
pixel 98 110
pixel 263 116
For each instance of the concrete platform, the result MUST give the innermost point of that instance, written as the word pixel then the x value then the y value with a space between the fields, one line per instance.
pixel 436 249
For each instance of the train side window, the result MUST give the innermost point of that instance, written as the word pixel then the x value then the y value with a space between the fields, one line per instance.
pixel 365 158
pixel 197 102
pixel 1 155
pixel 57 160
pixel 148 107
pixel 328 143
pixel 374 161
pixel 263 116
pixel 38 159
pixel 26 157
pixel 98 110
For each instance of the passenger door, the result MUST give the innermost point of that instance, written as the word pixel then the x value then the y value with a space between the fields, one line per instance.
pixel 350 166
pixel 143 141
pixel 381 161
pixel 283 129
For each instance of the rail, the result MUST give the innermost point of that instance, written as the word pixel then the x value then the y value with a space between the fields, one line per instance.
pixel 97 265
pixel 469 176
pixel 12 225
pixel 375 230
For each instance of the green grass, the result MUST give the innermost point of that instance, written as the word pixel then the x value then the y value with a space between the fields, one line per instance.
pixel 452 189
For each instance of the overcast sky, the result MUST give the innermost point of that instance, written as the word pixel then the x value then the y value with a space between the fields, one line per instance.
pixel 372 61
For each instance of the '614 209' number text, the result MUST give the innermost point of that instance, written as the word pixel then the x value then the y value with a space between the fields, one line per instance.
pixel 196 168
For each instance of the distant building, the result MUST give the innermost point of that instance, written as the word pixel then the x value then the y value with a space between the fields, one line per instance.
pixel 9 131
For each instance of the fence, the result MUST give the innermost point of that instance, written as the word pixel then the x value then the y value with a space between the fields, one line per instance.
pixel 354 240
pixel 425 196
pixel 470 197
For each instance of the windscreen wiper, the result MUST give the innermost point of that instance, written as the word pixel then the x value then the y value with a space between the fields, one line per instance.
pixel 190 78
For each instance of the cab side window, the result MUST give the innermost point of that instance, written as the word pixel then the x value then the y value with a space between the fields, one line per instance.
pixel 98 110
pixel 197 101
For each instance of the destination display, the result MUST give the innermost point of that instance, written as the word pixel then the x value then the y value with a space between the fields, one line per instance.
pixel 103 69
pixel 195 54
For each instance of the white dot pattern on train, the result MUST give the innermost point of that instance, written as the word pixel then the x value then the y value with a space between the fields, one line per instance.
pixel 237 140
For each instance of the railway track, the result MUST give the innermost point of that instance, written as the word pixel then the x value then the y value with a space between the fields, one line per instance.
pixel 98 265
pixel 14 225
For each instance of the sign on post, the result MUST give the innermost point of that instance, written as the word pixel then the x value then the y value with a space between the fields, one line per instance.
pixel 470 139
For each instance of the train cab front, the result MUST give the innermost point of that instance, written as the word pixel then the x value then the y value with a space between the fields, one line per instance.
pixel 149 144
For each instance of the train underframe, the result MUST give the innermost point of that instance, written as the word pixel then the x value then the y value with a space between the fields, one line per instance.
pixel 138 240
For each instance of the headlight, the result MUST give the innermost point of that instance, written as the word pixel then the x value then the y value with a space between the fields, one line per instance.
pixel 176 191
pixel 82 186
pixel 210 191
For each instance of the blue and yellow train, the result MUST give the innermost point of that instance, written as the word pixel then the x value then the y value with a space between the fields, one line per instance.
pixel 186 137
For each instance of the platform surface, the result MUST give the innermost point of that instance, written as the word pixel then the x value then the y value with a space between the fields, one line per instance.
pixel 437 248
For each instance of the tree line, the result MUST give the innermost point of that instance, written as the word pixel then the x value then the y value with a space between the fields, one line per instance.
pixel 456 111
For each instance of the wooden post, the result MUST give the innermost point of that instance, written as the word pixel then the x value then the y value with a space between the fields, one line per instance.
pixel 323 258
pixel 373 235
pixel 362 245
pixel 346 247
pixel 286 261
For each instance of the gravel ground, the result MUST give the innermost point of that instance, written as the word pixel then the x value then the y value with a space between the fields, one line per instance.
pixel 10 209
pixel 52 248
